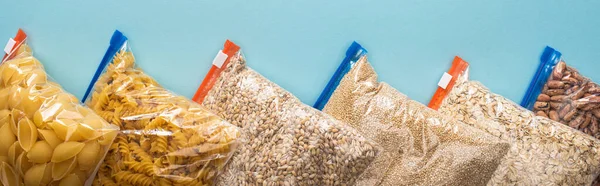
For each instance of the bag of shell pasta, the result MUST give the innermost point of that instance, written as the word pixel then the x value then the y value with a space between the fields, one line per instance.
pixel 47 137
pixel 420 145
pixel 284 141
pixel 559 92
pixel 165 138
pixel 543 152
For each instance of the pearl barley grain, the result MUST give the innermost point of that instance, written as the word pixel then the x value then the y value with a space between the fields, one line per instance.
pixel 285 142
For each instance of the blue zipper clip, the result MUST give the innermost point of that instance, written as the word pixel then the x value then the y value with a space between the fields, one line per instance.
pixel 353 54
pixel 116 44
pixel 548 61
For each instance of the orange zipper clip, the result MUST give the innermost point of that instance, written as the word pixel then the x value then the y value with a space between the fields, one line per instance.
pixel 459 66
pixel 229 49
pixel 19 39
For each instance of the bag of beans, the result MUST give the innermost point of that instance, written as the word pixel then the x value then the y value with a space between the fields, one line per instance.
pixel 165 138
pixel 285 142
pixel 47 137
pixel 559 92
pixel 543 151
pixel 420 145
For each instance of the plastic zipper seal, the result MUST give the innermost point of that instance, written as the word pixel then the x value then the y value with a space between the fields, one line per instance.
pixel 13 45
pixel 353 54
pixel 117 43
pixel 458 68
pixel 550 57
pixel 219 64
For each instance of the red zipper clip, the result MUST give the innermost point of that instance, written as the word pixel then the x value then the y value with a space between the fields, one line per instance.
pixel 18 41
pixel 219 64
pixel 458 68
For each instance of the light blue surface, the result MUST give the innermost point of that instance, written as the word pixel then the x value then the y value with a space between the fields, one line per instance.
pixel 299 44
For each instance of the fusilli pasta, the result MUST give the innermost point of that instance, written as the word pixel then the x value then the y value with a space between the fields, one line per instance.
pixel 153 147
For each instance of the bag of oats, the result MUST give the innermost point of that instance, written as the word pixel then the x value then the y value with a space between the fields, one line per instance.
pixel 285 142
pixel 165 138
pixel 420 145
pixel 47 137
pixel 559 92
pixel 543 152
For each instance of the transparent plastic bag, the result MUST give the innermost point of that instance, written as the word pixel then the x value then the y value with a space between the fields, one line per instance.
pixel 421 146
pixel 559 92
pixel 543 152
pixel 285 141
pixel 46 136
pixel 165 139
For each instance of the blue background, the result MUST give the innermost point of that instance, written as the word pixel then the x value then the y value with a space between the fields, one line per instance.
pixel 299 44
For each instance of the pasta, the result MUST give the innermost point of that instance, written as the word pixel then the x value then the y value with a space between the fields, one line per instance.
pixel 66 150
pixel 164 137
pixel 43 129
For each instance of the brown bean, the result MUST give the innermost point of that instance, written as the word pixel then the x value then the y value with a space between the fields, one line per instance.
pixel 541 113
pixel 564 110
pixel 594 99
pixel 555 84
pixel 557 98
pixel 590 106
pixel 557 73
pixel 554 92
pixel 596 112
pixel 587 131
pixel 576 123
pixel 578 94
pixel 545 88
pixel 587 120
pixel 553 115
pixel 567 86
pixel 540 105
pixel 570 115
pixel 576 75
pixel 594 90
pixel 594 127
pixel 543 97
pixel 572 89
pixel 555 105
pixel 570 80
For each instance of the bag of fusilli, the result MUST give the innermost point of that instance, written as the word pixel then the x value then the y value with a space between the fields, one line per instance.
pixel 165 139
pixel 284 141
pixel 543 152
pixel 421 146
pixel 47 137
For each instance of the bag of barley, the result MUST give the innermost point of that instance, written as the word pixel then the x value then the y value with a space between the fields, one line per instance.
pixel 47 137
pixel 285 142
pixel 420 145
pixel 559 92
pixel 543 152
pixel 165 138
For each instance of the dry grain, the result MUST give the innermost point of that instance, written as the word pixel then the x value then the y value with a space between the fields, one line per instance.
pixel 543 152
pixel 422 146
pixel 285 142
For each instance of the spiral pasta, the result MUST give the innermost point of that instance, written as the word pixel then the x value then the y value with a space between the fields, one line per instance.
pixel 46 136
pixel 153 147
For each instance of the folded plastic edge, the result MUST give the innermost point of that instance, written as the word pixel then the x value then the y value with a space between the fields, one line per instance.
pixel 458 68
pixel 230 49
pixel 116 43
pixel 19 38
pixel 550 57
pixel 354 52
